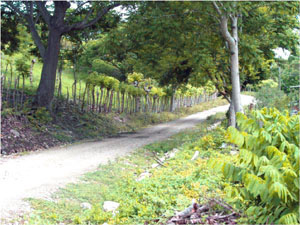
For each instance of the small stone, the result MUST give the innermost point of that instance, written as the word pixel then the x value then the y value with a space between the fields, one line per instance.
pixel 162 159
pixel 233 152
pixel 86 205
pixel 154 165
pixel 109 206
pixel 15 133
pixel 143 176
pixel 196 154
pixel 224 145
pixel 172 154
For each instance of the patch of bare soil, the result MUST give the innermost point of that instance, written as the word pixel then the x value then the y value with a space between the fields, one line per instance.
pixel 18 136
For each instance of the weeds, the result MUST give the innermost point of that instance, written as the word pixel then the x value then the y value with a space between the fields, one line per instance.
pixel 156 198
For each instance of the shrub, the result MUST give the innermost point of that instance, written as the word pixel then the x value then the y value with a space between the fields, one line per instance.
pixel 43 115
pixel 265 177
pixel 267 84
pixel 271 97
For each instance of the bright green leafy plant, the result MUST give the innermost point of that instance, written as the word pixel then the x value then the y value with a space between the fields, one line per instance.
pixel 265 177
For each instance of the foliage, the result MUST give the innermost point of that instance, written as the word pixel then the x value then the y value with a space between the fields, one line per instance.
pixel 268 96
pixel 267 84
pixel 135 78
pixel 106 68
pixel 265 176
pixel 22 68
pixel 169 188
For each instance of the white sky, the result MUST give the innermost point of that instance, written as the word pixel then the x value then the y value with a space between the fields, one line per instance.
pixel 282 53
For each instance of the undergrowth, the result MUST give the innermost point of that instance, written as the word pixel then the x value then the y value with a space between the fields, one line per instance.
pixel 170 187
pixel 69 124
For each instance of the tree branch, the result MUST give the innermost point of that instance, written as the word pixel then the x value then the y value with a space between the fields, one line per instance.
pixel 85 23
pixel 35 36
pixel 14 8
pixel 225 32
pixel 217 8
pixel 37 17
pixel 44 12
pixel 30 24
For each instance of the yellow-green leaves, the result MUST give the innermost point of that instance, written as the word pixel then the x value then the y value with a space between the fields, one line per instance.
pixel 135 77
pixel 235 137
pixel 269 164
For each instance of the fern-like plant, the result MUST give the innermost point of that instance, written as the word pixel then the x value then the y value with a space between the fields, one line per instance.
pixel 265 177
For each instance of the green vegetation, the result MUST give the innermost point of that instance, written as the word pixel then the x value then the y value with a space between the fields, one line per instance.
pixel 169 188
pixel 268 95
pixel 11 72
pixel 85 71
pixel 265 176
pixel 71 125
pixel 261 181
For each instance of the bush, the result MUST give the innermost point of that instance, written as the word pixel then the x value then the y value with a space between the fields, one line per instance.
pixel 43 115
pixel 271 97
pixel 265 177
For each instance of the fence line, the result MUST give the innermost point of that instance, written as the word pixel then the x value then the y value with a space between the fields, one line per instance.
pixel 100 100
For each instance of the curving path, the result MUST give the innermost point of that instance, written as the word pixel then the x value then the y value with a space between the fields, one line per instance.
pixel 39 174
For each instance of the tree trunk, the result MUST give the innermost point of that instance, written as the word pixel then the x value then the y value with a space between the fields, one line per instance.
pixel 119 103
pixel 97 102
pixel 83 98
pixel 231 119
pixel 46 87
pixel 75 82
pixel 137 104
pixel 234 67
pixel 110 101
pixel 101 97
pixel 154 104
pixel 31 72
pixel 60 68
pixel 172 103
pixel 23 87
pixel 93 98
pixel 106 100
pixel 123 102
pixel 146 102
pixel 232 40
pixel 127 104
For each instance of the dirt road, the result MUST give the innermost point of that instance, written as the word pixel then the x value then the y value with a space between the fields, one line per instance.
pixel 39 174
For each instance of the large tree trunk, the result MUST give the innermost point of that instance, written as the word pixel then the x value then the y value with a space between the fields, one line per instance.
pixel 232 40
pixel 46 87
pixel 231 116
pixel 234 68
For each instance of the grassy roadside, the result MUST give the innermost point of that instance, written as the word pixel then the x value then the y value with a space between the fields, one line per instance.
pixel 71 125
pixel 67 76
pixel 251 93
pixel 168 188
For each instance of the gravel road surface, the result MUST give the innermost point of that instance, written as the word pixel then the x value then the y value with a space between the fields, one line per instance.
pixel 39 174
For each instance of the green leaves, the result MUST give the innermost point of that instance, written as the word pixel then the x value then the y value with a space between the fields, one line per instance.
pixel 269 164
pixel 235 137
pixel 22 67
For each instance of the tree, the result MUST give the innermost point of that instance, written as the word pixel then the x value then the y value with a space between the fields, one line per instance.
pixel 232 39
pixel 57 20
pixel 162 48
pixel 233 12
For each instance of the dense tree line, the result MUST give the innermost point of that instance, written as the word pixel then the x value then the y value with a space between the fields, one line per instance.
pixel 174 43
